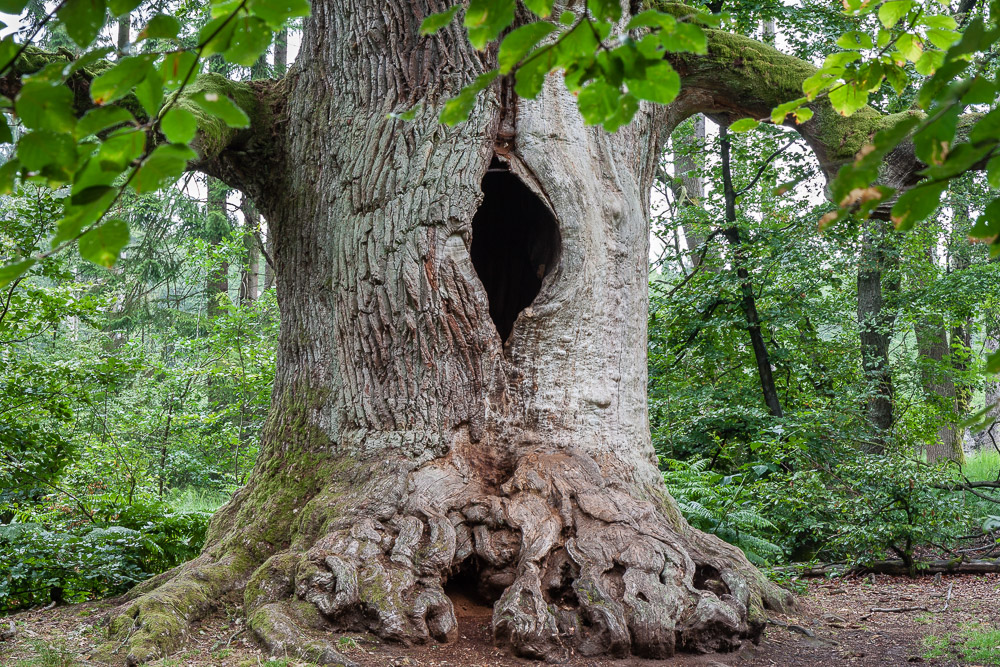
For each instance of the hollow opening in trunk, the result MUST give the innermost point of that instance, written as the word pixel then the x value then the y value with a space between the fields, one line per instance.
pixel 466 591
pixel 515 244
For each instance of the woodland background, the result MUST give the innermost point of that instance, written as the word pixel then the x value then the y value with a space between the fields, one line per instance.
pixel 131 399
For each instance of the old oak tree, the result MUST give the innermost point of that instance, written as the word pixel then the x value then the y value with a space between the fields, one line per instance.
pixel 460 394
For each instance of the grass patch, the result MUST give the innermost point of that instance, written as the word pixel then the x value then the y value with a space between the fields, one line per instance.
pixel 49 655
pixel 981 644
pixel 197 500
pixel 982 466
pixel 973 643
pixel 935 647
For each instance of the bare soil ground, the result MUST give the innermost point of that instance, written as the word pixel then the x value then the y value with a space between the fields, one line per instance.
pixel 833 626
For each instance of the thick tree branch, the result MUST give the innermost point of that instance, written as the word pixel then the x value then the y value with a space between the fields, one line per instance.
pixel 740 77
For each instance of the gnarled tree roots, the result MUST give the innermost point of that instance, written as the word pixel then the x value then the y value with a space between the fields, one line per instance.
pixel 571 562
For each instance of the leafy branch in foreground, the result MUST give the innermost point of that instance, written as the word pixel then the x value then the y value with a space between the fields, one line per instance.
pixel 101 128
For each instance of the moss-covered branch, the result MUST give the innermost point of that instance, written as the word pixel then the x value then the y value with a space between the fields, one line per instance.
pixel 740 77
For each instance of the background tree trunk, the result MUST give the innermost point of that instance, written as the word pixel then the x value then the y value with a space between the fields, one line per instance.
pixel 748 302
pixel 409 445
pixel 878 264
pixel 691 190
pixel 217 220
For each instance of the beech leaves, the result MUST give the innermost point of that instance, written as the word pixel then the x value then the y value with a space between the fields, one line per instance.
pixel 609 67
pixel 142 114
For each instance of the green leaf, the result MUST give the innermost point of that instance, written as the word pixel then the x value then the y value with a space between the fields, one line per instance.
pixel 103 244
pixel 119 151
pixel 651 19
pixel 82 19
pixel 916 204
pixel 933 142
pixel 847 99
pixel 91 194
pixel 540 8
pixel 942 39
pixel 179 125
pixel 11 272
pixel 685 38
pixel 43 148
pixel 928 63
pixel 216 35
pixel 123 7
pixel 458 108
pixel 276 12
pixel 960 160
pixel 993 172
pixel 150 93
pixel 992 366
pixel 249 41
pixel 435 22
pixel 119 81
pixel 531 74
pixel 485 19
pixel 221 107
pixel 987 226
pixel 744 125
pixel 79 217
pixel 567 18
pixel 981 91
pixel 891 12
pixel 597 102
pixel 8 174
pixel 520 41
pixel 8 49
pixel 161 26
pixel 939 21
pixel 178 67
pixel 780 112
pixel 100 119
pixel 910 47
pixel 661 84
pixel 605 10
pixel 163 167
pixel 855 40
pixel 44 107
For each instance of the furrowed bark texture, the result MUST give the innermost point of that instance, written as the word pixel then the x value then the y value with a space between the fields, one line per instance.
pixel 408 445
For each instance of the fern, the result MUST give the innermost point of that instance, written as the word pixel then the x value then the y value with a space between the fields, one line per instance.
pixel 722 505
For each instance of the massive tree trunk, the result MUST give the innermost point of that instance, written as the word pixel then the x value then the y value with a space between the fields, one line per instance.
pixel 460 389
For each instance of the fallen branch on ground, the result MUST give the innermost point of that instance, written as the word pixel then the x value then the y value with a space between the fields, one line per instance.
pixel 899 610
pixel 953 566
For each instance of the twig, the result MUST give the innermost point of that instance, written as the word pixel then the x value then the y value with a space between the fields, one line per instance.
pixel 902 610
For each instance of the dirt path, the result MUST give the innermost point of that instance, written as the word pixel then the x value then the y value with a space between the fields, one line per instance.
pixel 834 626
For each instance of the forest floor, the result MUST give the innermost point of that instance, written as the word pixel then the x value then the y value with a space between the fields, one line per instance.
pixel 834 625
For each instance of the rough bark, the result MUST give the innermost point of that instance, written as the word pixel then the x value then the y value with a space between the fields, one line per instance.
pixel 408 443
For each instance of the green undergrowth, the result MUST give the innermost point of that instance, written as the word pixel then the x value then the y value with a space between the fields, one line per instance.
pixel 197 500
